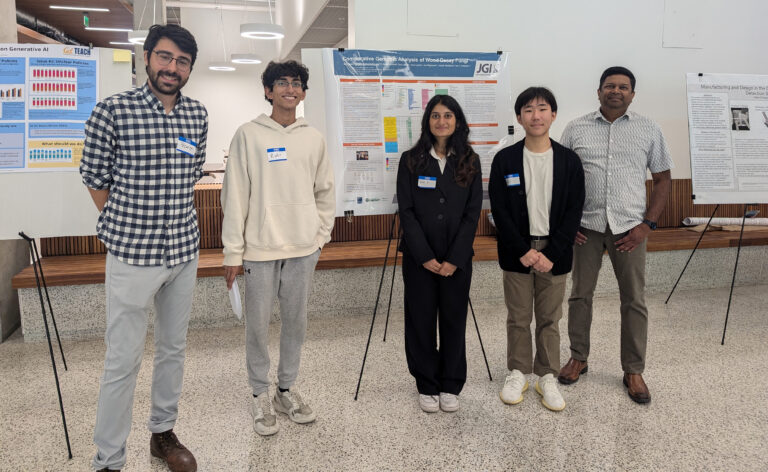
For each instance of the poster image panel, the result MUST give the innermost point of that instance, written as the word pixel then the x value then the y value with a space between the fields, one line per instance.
pixel 728 126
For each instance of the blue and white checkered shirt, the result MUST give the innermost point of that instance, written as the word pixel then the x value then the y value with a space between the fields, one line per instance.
pixel 131 149
pixel 615 157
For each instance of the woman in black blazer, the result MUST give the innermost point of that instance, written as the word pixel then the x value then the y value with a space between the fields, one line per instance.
pixel 439 193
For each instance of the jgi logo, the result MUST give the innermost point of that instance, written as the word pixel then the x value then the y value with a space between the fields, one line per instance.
pixel 486 68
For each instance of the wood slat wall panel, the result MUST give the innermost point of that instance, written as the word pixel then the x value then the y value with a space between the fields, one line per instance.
pixel 366 228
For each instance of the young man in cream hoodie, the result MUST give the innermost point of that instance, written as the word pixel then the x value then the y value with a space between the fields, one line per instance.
pixel 279 205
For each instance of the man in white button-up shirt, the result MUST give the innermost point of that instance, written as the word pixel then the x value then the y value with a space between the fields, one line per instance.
pixel 616 147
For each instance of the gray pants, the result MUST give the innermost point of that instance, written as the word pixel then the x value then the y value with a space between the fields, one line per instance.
pixel 629 268
pixel 290 280
pixel 130 291
pixel 525 294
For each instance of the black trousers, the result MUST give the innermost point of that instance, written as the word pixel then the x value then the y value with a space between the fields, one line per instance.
pixel 431 302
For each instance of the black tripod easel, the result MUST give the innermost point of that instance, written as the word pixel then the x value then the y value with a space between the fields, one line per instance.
pixel 736 265
pixel 41 285
pixel 389 306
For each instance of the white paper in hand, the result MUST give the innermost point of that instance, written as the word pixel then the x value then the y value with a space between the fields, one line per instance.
pixel 234 300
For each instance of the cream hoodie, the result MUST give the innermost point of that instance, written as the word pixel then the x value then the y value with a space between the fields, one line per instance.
pixel 280 209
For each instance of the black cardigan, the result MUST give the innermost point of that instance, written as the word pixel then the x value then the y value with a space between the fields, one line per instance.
pixel 510 208
pixel 438 223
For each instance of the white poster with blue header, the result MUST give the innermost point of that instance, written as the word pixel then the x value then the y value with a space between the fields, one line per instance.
pixel 375 101
pixel 47 92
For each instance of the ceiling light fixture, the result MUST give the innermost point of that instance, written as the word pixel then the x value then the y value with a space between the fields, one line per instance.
pixel 221 66
pixel 89 9
pixel 120 30
pixel 245 59
pixel 262 31
pixel 137 37
pixel 121 43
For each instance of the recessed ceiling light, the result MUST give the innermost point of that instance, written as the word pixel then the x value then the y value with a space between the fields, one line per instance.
pixel 119 43
pixel 261 31
pixel 245 59
pixel 121 30
pixel 221 66
pixel 89 9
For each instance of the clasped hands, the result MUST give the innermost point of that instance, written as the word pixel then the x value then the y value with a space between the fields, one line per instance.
pixel 537 260
pixel 446 269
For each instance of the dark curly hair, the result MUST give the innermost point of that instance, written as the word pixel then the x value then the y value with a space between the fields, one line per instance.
pixel 180 36
pixel 276 70
pixel 458 143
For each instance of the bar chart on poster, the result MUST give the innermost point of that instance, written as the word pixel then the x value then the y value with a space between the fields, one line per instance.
pixel 47 92
pixel 728 125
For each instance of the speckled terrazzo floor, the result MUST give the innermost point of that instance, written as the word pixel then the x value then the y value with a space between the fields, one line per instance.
pixel 709 409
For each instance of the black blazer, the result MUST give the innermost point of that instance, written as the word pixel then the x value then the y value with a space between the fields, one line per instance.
pixel 438 223
pixel 510 208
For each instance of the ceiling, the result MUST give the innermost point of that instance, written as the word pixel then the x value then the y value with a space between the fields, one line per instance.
pixel 327 30
pixel 120 15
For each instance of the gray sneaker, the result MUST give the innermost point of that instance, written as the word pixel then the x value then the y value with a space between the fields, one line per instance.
pixel 291 404
pixel 264 418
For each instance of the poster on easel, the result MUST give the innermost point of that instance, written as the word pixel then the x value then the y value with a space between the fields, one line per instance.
pixel 47 92
pixel 728 126
pixel 375 101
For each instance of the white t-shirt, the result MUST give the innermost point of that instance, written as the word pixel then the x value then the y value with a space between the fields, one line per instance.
pixel 538 168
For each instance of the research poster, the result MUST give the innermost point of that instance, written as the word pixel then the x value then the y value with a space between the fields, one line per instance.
pixel 375 101
pixel 47 93
pixel 728 125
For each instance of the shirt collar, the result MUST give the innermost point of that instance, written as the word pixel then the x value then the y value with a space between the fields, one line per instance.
pixel 434 154
pixel 155 103
pixel 598 115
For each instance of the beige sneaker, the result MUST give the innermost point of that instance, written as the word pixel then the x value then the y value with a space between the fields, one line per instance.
pixel 291 404
pixel 429 403
pixel 514 386
pixel 449 402
pixel 264 418
pixel 550 396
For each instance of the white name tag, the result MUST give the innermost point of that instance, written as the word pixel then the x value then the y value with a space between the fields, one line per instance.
pixel 427 182
pixel 277 154
pixel 513 180
pixel 186 146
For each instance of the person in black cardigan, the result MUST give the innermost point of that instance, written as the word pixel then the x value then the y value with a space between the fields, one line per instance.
pixel 537 195
pixel 439 193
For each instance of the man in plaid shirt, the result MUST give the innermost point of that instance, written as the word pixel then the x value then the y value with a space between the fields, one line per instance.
pixel 144 151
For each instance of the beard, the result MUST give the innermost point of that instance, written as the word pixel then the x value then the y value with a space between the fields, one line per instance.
pixel 154 80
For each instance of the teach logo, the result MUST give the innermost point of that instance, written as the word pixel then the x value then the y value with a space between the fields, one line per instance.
pixel 486 68
pixel 77 51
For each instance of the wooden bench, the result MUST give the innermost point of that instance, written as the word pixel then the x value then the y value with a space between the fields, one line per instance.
pixel 89 269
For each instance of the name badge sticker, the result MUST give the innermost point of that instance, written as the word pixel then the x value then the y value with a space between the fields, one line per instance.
pixel 186 146
pixel 277 154
pixel 427 182
pixel 513 180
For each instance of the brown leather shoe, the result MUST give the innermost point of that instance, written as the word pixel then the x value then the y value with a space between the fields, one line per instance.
pixel 167 447
pixel 636 388
pixel 571 371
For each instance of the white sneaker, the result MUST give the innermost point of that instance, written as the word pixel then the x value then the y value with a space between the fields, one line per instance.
pixel 550 396
pixel 264 419
pixel 449 402
pixel 514 386
pixel 429 403
pixel 291 404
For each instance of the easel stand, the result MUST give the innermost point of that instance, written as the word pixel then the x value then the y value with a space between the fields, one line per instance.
pixel 40 279
pixel 389 306
pixel 736 265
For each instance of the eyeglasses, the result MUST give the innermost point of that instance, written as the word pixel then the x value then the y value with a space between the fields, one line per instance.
pixel 282 83
pixel 165 59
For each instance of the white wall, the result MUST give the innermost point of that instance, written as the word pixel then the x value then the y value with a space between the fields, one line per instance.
pixel 565 45
pixel 296 16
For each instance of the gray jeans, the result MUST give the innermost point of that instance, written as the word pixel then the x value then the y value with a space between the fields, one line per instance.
pixel 130 291
pixel 290 280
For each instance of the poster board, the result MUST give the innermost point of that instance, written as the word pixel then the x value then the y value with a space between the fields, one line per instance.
pixel 728 126
pixel 51 200
pixel 374 102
